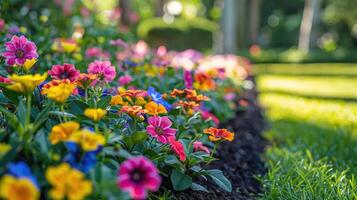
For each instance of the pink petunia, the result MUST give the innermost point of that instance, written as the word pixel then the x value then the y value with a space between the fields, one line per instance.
pixel 103 69
pixel 159 128
pixel 65 71
pixel 198 146
pixel 177 147
pixel 124 80
pixel 4 80
pixel 18 50
pixel 137 175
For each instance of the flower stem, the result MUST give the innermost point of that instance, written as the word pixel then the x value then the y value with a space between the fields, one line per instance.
pixel 28 110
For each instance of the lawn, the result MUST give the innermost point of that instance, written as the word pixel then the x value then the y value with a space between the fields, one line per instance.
pixel 313 134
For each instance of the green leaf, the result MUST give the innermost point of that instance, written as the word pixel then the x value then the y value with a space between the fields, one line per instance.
pixel 103 103
pixel 220 179
pixel 135 138
pixel 21 111
pixel 198 187
pixel 180 181
pixel 77 107
pixel 11 95
pixel 12 119
pixel 62 114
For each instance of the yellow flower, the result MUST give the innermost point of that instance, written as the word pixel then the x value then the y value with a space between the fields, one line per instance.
pixel 4 148
pixel 12 188
pixel 61 132
pixel 117 100
pixel 59 93
pixel 29 63
pixel 88 140
pixel 140 101
pixel 153 108
pixel 26 83
pixel 95 114
pixel 67 182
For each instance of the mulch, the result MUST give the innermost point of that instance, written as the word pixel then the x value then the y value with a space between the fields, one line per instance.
pixel 241 160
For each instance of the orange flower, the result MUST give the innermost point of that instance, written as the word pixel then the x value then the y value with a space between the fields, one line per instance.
pixel 189 94
pixel 204 82
pixel 187 104
pixel 177 93
pixel 216 134
pixel 153 108
pixel 85 80
pixel 133 93
pixel 134 111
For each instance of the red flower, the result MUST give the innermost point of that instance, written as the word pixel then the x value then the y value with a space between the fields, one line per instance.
pixel 177 147
pixel 65 71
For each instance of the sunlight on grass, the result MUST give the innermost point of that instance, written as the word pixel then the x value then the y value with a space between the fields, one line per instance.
pixel 313 135
pixel 324 87
pixel 308 69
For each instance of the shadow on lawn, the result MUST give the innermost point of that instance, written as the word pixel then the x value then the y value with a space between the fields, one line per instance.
pixel 338 146
pixel 308 96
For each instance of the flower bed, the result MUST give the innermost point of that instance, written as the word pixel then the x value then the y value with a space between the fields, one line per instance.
pixel 129 122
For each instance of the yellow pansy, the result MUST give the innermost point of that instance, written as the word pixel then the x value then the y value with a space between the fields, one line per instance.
pixel 95 114
pixel 67 183
pixel 61 132
pixel 26 83
pixel 88 140
pixel 13 188
pixel 153 108
pixel 29 63
pixel 117 100
pixel 59 93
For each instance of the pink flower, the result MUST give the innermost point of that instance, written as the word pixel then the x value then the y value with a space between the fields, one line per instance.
pixel 4 80
pixel 207 115
pixel 188 79
pixel 65 71
pixel 103 70
pixel 119 43
pixel 137 175
pixel 159 128
pixel 124 80
pixel 177 147
pixel 93 52
pixel 2 24
pixel 198 146
pixel 18 50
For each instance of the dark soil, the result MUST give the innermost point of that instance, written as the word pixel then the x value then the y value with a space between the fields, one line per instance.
pixel 239 160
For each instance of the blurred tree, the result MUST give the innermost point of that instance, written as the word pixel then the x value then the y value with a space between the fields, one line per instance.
pixel 124 6
pixel 230 26
pixel 308 24
pixel 254 20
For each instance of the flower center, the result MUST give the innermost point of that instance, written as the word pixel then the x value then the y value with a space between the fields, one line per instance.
pixel 19 53
pixel 137 176
pixel 64 75
pixel 159 130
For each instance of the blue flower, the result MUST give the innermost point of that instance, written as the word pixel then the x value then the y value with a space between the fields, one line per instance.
pixel 22 170
pixel 157 98
pixel 81 161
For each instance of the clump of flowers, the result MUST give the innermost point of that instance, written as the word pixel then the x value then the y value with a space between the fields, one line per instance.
pixel 62 132
pixel 58 91
pixel 88 140
pixel 67 182
pixel 137 175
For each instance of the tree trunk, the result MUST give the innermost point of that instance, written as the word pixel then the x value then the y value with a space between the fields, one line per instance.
pixel 124 6
pixel 159 7
pixel 308 24
pixel 255 6
pixel 242 23
pixel 230 26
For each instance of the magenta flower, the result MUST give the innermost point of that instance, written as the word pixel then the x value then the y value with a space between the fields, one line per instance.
pixel 159 128
pixel 198 146
pixel 18 50
pixel 65 71
pixel 124 80
pixel 103 70
pixel 188 79
pixel 137 175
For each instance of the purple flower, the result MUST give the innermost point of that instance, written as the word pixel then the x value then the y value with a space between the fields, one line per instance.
pixel 137 175
pixel 18 50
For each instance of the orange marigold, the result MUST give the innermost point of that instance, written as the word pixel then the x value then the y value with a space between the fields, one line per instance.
pixel 216 134
pixel 153 108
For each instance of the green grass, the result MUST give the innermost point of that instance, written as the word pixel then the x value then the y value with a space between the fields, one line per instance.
pixel 313 152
